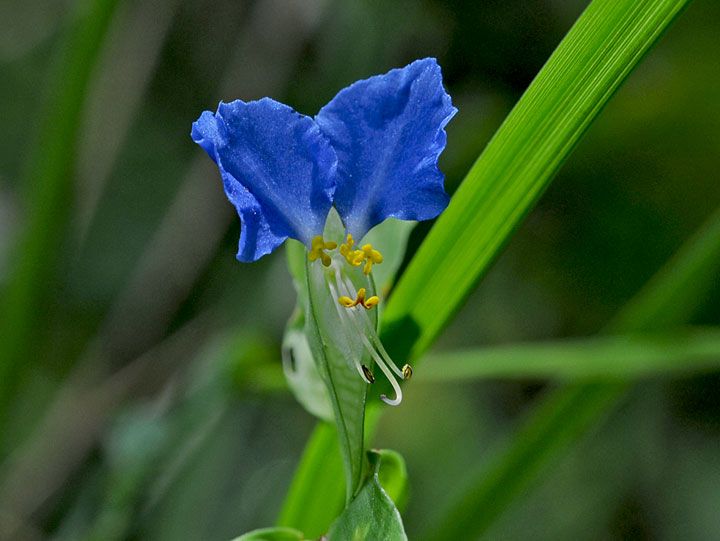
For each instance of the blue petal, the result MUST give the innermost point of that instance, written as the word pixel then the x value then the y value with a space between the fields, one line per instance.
pixel 277 168
pixel 388 132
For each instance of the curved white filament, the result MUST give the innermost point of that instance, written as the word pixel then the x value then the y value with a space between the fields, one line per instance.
pixel 375 338
pixel 343 319
pixel 345 287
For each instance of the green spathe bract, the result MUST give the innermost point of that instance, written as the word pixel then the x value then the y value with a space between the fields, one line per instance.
pixel 332 346
pixel 328 348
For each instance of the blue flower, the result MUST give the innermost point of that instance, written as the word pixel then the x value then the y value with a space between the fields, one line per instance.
pixel 277 168
pixel 372 153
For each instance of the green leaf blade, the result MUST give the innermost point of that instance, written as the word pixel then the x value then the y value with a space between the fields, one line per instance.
pixel 50 181
pixel 559 420
pixel 315 497
pixel 372 514
pixel 596 56
pixel 634 355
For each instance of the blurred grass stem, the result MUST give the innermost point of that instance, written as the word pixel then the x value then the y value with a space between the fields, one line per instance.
pixel 671 352
pixel 50 182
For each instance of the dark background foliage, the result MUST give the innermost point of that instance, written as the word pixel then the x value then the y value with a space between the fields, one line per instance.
pixel 149 402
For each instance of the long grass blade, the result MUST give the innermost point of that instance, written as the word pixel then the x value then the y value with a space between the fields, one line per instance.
pixel 50 182
pixel 634 355
pixel 319 477
pixel 606 43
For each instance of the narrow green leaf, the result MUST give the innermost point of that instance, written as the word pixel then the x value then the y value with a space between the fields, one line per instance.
pixel 317 493
pixel 680 351
pixel 602 48
pixel 551 429
pixel 49 180
pixel 272 534
pixel 372 514
pixel 672 295
pixel 315 498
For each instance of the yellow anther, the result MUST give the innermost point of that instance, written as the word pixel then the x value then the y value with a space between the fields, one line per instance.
pixel 358 300
pixel 407 371
pixel 317 251
pixel 368 374
pixel 317 243
pixel 372 301
pixel 370 256
pixel 356 257
pixel 314 255
pixel 347 302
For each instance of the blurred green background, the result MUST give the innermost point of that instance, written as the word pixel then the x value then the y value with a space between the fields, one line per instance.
pixel 148 400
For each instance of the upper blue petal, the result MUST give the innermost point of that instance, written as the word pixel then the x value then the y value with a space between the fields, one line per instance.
pixel 277 168
pixel 388 132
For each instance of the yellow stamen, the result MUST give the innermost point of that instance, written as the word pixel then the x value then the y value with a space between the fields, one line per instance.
pixel 347 302
pixel 407 371
pixel 356 257
pixel 372 301
pixel 317 251
pixel 368 374
pixel 372 254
